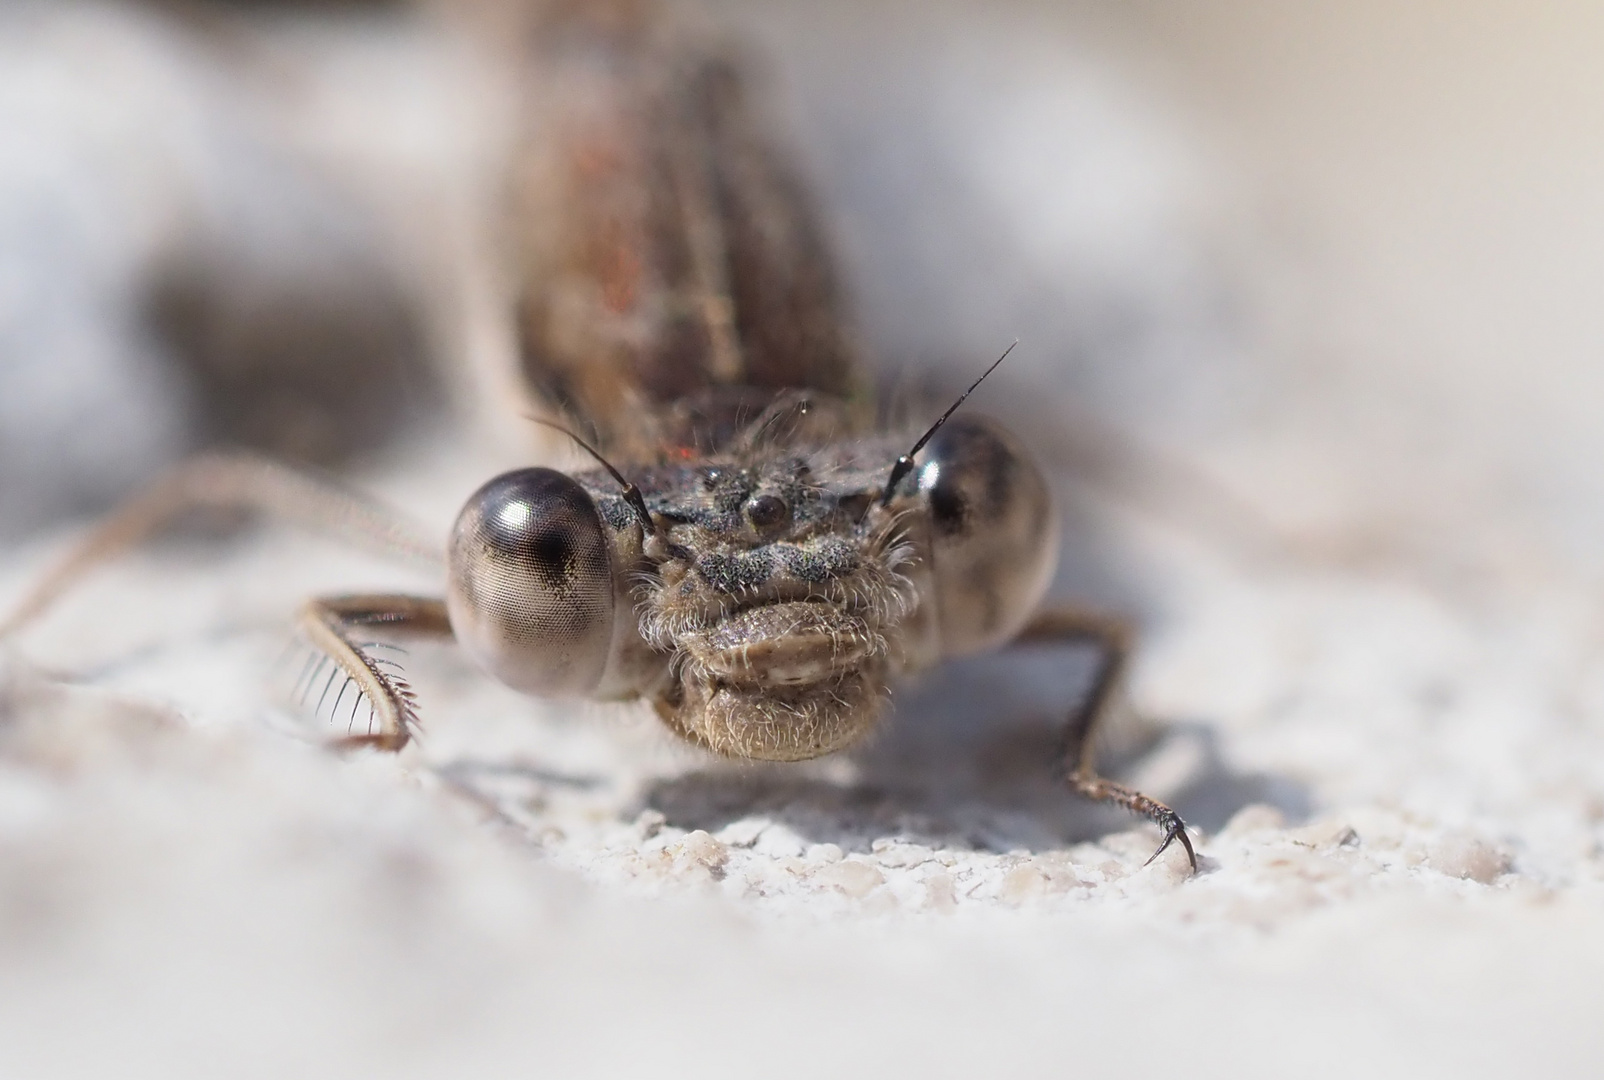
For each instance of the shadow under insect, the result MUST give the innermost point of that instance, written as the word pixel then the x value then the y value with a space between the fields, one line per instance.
pixel 972 757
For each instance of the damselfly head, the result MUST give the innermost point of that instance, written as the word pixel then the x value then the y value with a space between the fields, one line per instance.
pixel 763 597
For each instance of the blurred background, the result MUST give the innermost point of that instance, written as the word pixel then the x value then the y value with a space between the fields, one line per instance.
pixel 1336 260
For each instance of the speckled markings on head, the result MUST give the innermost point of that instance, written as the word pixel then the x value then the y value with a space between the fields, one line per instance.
pixel 784 610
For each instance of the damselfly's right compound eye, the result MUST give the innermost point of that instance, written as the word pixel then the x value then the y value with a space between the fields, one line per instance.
pixel 994 537
pixel 531 583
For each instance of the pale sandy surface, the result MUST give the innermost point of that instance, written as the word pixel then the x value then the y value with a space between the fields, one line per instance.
pixel 187 882
pixel 1361 541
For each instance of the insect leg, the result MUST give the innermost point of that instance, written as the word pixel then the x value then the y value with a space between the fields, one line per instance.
pixel 329 623
pixel 227 481
pixel 1113 638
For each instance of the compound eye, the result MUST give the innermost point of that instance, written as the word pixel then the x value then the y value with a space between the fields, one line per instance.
pixel 531 583
pixel 993 533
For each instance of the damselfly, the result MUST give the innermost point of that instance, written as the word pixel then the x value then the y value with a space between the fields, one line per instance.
pixel 749 555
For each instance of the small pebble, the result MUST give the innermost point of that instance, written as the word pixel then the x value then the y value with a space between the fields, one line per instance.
pixel 825 853
pixel 899 854
pixel 744 832
pixel 1468 858
pixel 1023 884
pixel 1331 833
pixel 779 842
pixel 699 853
pixel 853 877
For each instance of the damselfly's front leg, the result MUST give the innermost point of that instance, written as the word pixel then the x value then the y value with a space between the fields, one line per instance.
pixel 336 626
pixel 333 626
pixel 1113 638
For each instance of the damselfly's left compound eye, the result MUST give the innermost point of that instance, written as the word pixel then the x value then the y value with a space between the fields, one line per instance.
pixel 531 590
pixel 993 533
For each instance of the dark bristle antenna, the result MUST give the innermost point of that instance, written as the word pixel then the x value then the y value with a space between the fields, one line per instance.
pixel 904 464
pixel 632 494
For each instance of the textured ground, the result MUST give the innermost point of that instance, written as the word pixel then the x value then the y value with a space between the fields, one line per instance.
pixel 1400 837
pixel 1352 503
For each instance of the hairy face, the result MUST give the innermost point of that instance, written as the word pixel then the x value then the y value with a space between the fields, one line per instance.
pixel 762 599
pixel 781 603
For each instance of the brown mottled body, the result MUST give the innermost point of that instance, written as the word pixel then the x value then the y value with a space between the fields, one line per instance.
pixel 671 273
